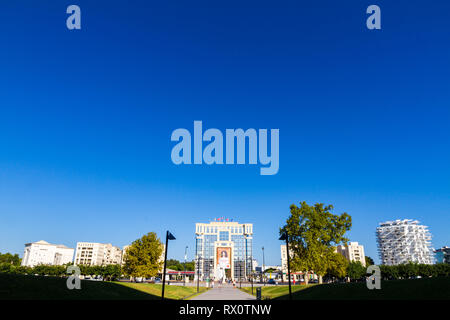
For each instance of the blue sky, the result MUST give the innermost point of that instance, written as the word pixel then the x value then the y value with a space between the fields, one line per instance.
pixel 86 117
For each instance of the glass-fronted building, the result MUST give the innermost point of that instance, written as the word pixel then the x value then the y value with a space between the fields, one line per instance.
pixel 223 250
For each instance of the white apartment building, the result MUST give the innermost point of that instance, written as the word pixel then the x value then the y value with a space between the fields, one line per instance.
pixel 352 252
pixel 124 251
pixel 42 252
pixel 97 254
pixel 284 267
pixel 403 241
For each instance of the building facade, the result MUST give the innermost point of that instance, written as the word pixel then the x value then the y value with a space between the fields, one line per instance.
pixel 442 255
pixel 97 254
pixel 352 251
pixel 223 250
pixel 403 241
pixel 42 252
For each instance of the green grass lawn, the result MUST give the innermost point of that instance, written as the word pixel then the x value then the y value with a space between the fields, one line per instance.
pixel 417 289
pixel 52 288
pixel 272 292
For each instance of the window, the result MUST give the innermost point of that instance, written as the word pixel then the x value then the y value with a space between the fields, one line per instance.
pixel 224 235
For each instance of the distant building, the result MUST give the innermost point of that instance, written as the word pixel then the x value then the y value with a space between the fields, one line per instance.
pixel 97 254
pixel 254 264
pixel 442 255
pixel 124 251
pixel 42 252
pixel 296 276
pixel 223 249
pixel 403 241
pixel 352 252
pixel 284 267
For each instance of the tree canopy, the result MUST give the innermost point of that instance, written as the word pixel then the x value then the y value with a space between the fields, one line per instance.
pixel 10 258
pixel 356 270
pixel 179 266
pixel 313 232
pixel 369 261
pixel 143 257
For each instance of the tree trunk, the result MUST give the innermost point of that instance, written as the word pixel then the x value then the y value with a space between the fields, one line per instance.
pixel 306 277
pixel 320 279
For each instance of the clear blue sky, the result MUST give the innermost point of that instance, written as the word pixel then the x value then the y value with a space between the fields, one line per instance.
pixel 86 117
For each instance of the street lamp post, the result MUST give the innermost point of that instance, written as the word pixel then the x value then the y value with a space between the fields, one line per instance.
pixel 240 273
pixel 198 273
pixel 262 274
pixel 252 274
pixel 169 236
pixel 284 236
pixel 185 256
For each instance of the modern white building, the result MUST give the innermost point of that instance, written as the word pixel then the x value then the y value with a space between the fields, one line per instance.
pixel 223 249
pixel 403 241
pixel 97 254
pixel 42 252
pixel 352 251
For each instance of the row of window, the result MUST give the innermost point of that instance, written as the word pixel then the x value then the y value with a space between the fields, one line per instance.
pixel 216 229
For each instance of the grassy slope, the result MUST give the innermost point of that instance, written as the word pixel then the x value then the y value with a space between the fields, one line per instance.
pixel 272 292
pixel 172 292
pixel 34 287
pixel 431 288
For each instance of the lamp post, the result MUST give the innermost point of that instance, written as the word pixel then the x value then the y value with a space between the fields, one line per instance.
pixel 251 272
pixel 284 236
pixel 185 257
pixel 262 274
pixel 240 273
pixel 169 236
pixel 198 273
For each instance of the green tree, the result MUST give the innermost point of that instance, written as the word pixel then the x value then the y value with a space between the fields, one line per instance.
pixel 190 266
pixel 143 257
pixel 369 261
pixel 10 258
pixel 356 270
pixel 111 272
pixel 338 266
pixel 313 231
pixel 174 265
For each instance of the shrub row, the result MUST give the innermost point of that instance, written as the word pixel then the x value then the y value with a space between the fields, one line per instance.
pixel 413 270
pixel 109 272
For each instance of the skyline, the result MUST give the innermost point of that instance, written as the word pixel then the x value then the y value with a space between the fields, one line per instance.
pixel 86 118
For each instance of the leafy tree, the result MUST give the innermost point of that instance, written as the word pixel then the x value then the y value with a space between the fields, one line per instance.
pixel 111 272
pixel 356 270
pixel 313 231
pixel 142 258
pixel 11 259
pixel 190 266
pixel 369 261
pixel 338 266
pixel 174 265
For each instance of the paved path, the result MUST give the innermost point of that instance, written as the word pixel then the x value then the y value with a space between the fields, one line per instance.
pixel 224 293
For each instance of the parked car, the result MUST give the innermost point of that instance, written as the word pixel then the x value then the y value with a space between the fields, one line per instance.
pixel 271 281
pixel 313 281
